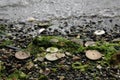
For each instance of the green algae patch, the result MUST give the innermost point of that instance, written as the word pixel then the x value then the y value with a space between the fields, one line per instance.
pixel 4 43
pixel 17 75
pixel 2 29
pixel 41 43
pixel 80 66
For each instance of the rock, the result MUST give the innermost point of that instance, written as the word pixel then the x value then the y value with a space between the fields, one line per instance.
pixel 116 40
pixel 61 77
pixel 60 55
pixel 52 49
pixel 99 66
pixel 31 19
pixel 22 55
pixel 75 58
pixel 68 53
pixel 93 54
pixel 29 65
pixel 62 61
pixel 44 24
pixel 89 43
pixel 46 71
pixel 40 59
pixel 78 41
pixel 41 30
pixel 99 32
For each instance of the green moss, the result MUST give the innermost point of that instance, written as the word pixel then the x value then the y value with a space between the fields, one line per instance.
pixel 41 43
pixel 5 42
pixel 54 69
pixel 2 29
pixel 43 77
pixel 2 68
pixel 80 66
pixel 17 75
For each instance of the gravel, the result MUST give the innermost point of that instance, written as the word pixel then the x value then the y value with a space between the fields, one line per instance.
pixel 22 33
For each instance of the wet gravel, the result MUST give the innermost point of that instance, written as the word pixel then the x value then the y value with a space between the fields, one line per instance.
pixel 22 33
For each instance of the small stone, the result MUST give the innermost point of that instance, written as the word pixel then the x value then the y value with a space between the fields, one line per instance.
pixel 52 49
pixel 90 43
pixel 41 71
pixel 40 59
pixel 99 66
pixel 41 30
pixel 31 19
pixel 44 24
pixel 62 62
pixel 60 55
pixel 93 54
pixel 99 32
pixel 78 36
pixel 47 71
pixel 68 53
pixel 61 77
pixel 78 41
pixel 22 55
pixel 75 58
pixel 116 40
pixel 29 65
pixel 64 67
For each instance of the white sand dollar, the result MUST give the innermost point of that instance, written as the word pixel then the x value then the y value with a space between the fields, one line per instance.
pixel 89 43
pixel 51 57
pixel 93 54
pixel 22 55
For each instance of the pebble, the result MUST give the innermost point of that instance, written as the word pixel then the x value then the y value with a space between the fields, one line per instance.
pixel 31 19
pixel 29 65
pixel 99 32
pixel 46 71
pixel 76 58
pixel 40 59
pixel 99 66
pixel 68 53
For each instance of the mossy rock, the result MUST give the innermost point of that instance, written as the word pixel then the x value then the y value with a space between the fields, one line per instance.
pixel 40 43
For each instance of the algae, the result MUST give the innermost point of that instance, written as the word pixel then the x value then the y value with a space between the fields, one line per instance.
pixel 2 29
pixel 17 75
pixel 79 66
pixel 40 43
pixel 5 42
